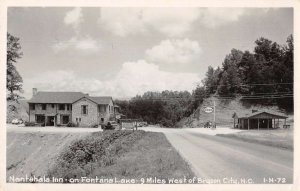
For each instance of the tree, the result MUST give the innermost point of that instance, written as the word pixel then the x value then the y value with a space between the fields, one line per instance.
pixel 230 79
pixel 211 80
pixel 14 81
pixel 224 85
pixel 287 66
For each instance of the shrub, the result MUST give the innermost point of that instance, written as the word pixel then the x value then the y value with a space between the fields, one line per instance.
pixel 71 124
pixel 166 122
pixel 28 124
pixel 95 125
pixel 94 152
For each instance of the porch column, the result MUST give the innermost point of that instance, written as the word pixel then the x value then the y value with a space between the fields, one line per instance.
pixel 243 121
pixel 248 124
pixel 285 123
pixel 268 123
pixel 234 123
pixel 29 114
pixel 258 123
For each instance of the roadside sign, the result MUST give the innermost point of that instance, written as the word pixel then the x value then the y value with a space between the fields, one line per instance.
pixel 208 109
pixel 128 125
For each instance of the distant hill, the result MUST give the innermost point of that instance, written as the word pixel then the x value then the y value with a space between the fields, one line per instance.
pixel 21 111
pixel 224 111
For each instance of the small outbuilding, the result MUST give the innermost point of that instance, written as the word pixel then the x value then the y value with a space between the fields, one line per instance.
pixel 259 120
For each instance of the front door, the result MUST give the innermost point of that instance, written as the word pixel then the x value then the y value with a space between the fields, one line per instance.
pixel 65 119
pixel 50 121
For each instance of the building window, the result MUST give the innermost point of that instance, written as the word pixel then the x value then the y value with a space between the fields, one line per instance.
pixel 43 106
pixel 84 109
pixel 102 108
pixel 52 105
pixel 61 106
pixel 68 107
pixel 102 120
pixel 32 106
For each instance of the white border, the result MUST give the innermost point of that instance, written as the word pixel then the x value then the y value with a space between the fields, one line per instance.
pixel 139 3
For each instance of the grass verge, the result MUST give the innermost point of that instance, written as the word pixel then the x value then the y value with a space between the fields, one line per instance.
pixel 281 138
pixel 137 155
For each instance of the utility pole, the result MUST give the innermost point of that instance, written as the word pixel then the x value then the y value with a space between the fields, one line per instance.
pixel 215 114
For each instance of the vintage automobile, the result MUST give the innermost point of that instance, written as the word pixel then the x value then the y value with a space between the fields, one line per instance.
pixel 17 121
pixel 110 125
pixel 208 124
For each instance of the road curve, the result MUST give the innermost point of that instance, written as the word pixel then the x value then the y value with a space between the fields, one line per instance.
pixel 216 158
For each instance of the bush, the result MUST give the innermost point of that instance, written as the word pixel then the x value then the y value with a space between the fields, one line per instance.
pixel 166 122
pixel 28 124
pixel 95 125
pixel 96 151
pixel 71 124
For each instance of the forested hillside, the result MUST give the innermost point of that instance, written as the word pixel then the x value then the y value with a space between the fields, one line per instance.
pixel 262 77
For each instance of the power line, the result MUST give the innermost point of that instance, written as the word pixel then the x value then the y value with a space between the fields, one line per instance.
pixel 275 96
pixel 268 84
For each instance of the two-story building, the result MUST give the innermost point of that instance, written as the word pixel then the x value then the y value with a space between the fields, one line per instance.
pixel 61 108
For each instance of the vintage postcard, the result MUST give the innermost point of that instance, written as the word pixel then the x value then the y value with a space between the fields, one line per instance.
pixel 132 96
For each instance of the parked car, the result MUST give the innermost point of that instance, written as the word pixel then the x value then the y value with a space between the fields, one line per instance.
pixel 208 124
pixel 110 125
pixel 17 121
pixel 142 124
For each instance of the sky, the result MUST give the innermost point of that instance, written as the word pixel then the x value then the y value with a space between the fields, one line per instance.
pixel 122 52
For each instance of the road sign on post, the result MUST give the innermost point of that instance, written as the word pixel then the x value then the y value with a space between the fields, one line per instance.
pixel 214 125
pixel 208 109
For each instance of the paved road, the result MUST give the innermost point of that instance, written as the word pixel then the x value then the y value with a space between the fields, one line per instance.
pixel 214 157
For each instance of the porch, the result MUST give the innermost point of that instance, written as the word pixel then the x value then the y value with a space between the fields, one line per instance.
pixel 260 120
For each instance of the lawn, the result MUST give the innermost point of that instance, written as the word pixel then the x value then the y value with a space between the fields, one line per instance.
pixel 118 155
pixel 282 138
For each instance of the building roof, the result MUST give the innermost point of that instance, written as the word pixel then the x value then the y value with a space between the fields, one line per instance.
pixel 103 100
pixel 272 114
pixel 66 97
pixel 56 97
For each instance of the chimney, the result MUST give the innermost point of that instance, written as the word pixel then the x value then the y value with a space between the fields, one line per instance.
pixel 34 91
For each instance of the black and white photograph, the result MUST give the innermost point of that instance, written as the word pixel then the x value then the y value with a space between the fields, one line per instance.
pixel 150 95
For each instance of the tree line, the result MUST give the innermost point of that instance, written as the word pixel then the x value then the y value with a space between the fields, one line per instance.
pixel 165 108
pixel 267 71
